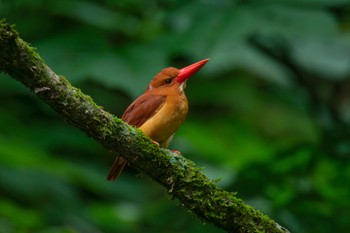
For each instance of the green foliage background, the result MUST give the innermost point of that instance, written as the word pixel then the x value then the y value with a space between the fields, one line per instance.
pixel 269 114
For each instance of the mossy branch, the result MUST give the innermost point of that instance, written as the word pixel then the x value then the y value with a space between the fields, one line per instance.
pixel 178 175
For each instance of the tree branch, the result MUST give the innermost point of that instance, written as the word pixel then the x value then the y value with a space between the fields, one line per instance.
pixel 177 174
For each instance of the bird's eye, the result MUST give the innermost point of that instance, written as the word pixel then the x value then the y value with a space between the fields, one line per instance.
pixel 168 81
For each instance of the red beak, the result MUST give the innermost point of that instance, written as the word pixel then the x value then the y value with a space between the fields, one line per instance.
pixel 188 71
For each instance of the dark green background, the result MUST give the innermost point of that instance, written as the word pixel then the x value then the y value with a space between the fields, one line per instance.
pixel 269 114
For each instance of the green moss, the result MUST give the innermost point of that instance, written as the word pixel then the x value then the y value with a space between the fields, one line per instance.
pixel 8 35
pixel 7 38
pixel 30 50
pixel 7 31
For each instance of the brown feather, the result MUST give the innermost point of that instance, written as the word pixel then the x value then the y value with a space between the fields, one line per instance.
pixel 136 114
pixel 142 109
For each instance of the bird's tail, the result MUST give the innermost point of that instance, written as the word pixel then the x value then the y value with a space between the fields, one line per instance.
pixel 117 168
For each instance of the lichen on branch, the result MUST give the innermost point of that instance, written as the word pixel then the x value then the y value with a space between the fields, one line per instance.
pixel 183 180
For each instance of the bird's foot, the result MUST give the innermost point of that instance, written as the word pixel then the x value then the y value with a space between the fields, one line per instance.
pixel 176 151
pixel 155 142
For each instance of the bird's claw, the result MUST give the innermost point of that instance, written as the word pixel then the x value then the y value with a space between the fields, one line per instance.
pixel 155 142
pixel 174 151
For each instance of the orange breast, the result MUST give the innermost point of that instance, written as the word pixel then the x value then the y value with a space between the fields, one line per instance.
pixel 167 120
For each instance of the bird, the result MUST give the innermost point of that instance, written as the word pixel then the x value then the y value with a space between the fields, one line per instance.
pixel 160 110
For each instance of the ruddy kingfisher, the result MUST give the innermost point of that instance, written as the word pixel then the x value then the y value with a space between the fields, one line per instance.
pixel 161 110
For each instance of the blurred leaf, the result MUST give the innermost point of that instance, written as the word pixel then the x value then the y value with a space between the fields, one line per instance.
pixel 96 15
pixel 228 145
pixel 21 220
pixel 329 59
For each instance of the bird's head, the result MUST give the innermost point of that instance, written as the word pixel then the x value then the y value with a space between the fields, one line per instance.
pixel 173 78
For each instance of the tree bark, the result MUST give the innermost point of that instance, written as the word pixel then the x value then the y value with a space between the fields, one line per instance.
pixel 182 179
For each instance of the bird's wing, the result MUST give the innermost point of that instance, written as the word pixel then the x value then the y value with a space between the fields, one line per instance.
pixel 142 109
